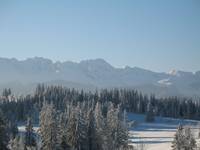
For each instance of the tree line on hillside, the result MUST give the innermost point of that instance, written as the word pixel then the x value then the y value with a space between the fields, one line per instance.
pixel 18 109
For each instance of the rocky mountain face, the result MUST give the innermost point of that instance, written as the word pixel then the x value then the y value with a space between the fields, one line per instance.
pixel 23 75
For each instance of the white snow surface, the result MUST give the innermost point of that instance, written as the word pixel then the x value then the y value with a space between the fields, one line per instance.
pixel 22 128
pixel 165 82
pixel 159 134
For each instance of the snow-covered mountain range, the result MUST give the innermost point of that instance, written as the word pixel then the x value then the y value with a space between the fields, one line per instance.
pixel 91 74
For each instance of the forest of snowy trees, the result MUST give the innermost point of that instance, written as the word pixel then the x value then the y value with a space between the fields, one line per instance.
pixel 83 127
pixel 66 125
pixel 76 120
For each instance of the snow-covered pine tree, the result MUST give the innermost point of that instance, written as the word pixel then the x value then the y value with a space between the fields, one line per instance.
pixel 100 137
pixel 150 113
pixel 63 120
pixel 179 140
pixel 71 129
pixel 81 131
pixel 117 131
pixel 190 142
pixel 48 127
pixel 122 131
pixel 111 127
pixel 77 129
pixel 3 133
pixel 30 140
pixel 199 133
pixel 183 139
pixel 12 129
pixel 17 143
pixel 91 130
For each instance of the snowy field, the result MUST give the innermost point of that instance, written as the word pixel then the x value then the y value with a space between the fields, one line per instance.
pixel 157 135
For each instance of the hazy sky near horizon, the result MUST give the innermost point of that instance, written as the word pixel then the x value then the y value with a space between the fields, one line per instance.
pixel 152 34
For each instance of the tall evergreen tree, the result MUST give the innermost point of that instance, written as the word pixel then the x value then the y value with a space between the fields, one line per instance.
pixel 3 133
pixel 150 113
pixel 99 127
pixel 91 130
pixel 122 130
pixel 178 141
pixel 63 120
pixel 12 129
pixel 183 139
pixel 111 127
pixel 116 127
pixel 17 143
pixel 190 142
pixel 30 140
pixel 71 129
pixel 81 131
pixel 48 127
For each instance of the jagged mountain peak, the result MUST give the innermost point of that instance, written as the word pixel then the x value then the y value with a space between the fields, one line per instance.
pixel 96 64
pixel 39 60
pixel 98 61
pixel 99 73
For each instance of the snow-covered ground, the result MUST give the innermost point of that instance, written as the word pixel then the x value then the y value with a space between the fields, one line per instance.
pixel 22 128
pixel 159 134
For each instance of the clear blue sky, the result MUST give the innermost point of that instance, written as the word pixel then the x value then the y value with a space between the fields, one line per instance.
pixel 154 34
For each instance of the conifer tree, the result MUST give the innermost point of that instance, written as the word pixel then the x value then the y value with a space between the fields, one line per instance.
pixel 30 140
pixel 122 131
pixel 63 131
pixel 81 131
pixel 150 113
pixel 48 128
pixel 190 142
pixel 91 130
pixel 17 143
pixel 3 133
pixel 12 129
pixel 178 141
pixel 71 129
pixel 99 127
pixel 111 127
pixel 183 139
pixel 116 127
